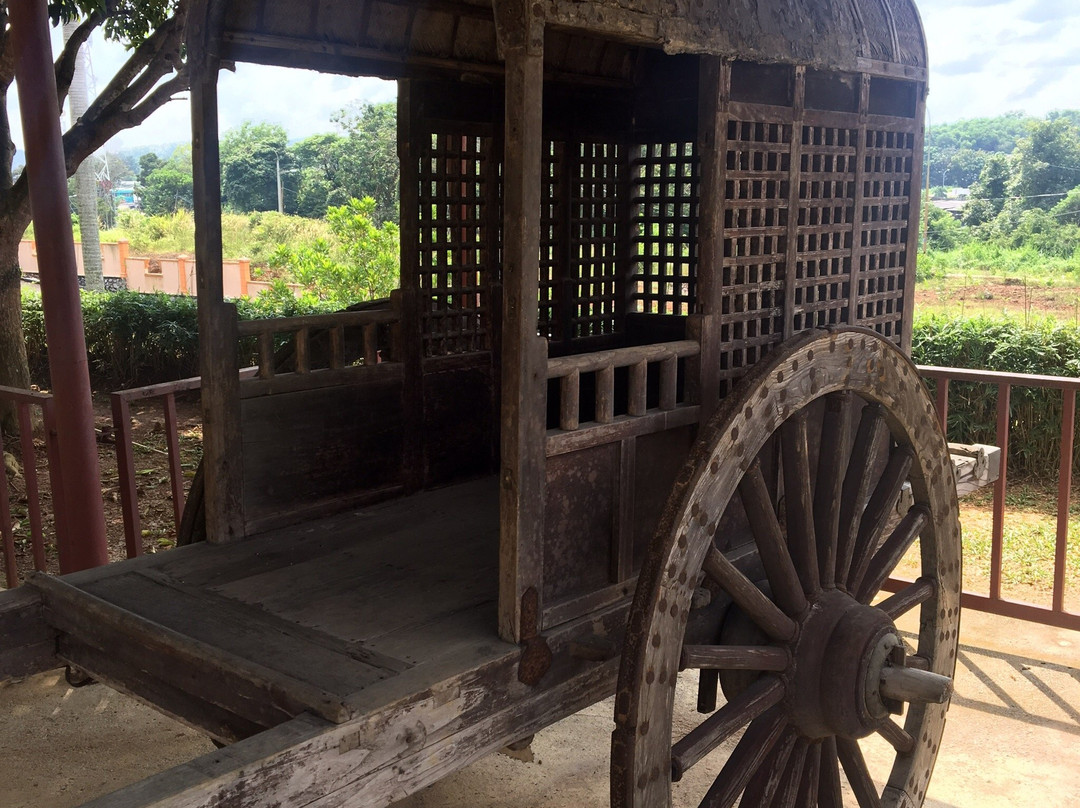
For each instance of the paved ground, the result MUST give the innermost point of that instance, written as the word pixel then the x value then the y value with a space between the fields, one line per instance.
pixel 1013 739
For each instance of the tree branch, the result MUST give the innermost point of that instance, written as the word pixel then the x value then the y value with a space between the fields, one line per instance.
pixel 69 56
pixel 166 39
pixel 91 132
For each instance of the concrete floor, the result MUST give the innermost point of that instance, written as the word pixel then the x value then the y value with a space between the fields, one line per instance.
pixel 1012 741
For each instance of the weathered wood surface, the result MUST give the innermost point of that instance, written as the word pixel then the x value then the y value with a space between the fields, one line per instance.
pixel 397 39
pixel 241 637
pixel 524 353
pixel 218 363
pixel 318 447
pixel 27 641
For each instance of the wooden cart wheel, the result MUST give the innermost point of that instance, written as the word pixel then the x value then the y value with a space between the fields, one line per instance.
pixel 815 453
pixel 193 522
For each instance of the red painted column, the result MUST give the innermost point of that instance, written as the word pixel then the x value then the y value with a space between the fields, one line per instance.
pixel 81 528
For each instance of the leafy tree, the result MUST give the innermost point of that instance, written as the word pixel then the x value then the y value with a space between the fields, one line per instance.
pixel 944 232
pixel 168 188
pixel 249 158
pixel 372 131
pixel 147 163
pixel 988 194
pixel 154 73
pixel 360 261
pixel 360 162
pixel 325 175
pixel 1047 163
pixel 1067 211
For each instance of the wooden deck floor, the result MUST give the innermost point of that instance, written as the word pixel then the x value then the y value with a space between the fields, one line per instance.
pixel 336 618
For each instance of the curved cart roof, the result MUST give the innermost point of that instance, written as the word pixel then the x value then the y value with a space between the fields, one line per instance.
pixel 395 38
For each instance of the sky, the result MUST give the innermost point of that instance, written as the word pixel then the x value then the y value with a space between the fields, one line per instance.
pixel 987 57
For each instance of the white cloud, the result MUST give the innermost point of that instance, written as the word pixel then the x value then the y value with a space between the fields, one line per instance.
pixel 988 58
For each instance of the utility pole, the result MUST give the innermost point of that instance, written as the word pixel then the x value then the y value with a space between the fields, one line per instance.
pixel 280 190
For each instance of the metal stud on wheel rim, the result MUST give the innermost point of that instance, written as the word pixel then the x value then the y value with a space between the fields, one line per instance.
pixel 814 450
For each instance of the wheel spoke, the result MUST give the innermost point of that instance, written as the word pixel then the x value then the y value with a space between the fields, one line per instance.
pixel 754 746
pixel 734 658
pixel 708 682
pixel 894 548
pixel 811 776
pixel 835 426
pixel 897 736
pixel 784 580
pixel 767 780
pixel 760 697
pixel 787 793
pixel 799 501
pixel 908 598
pixel 830 793
pixel 748 597
pixel 858 775
pixel 878 510
pixel 864 457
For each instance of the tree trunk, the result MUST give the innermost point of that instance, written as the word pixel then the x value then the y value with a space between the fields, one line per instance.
pixel 86 180
pixel 13 369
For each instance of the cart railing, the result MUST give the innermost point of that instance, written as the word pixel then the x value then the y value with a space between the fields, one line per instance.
pixel 25 401
pixel 640 416
pixel 993 601
pixel 326 349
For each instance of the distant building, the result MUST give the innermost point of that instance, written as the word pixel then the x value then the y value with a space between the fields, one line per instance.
pixel 955 207
pixel 125 196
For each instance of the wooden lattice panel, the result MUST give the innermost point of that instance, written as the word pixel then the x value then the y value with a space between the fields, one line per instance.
pixel 594 239
pixel 886 210
pixel 664 227
pixel 457 255
pixel 827 179
pixel 757 192
pixel 552 214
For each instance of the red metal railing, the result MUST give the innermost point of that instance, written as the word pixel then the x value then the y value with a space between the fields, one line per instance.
pixel 24 401
pixel 125 453
pixel 993 602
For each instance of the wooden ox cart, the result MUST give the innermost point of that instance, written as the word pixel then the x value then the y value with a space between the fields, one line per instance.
pixel 641 411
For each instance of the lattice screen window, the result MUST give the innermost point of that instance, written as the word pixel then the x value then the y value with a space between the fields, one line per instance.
pixel 755 243
pixel 664 226
pixel 457 175
pixel 552 201
pixel 825 226
pixel 885 214
pixel 594 233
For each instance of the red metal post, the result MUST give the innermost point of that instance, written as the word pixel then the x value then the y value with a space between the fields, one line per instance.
pixel 998 535
pixel 125 471
pixel 1068 434
pixel 943 405
pixel 176 474
pixel 47 175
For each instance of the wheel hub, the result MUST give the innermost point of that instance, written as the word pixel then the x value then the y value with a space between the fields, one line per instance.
pixel 838 655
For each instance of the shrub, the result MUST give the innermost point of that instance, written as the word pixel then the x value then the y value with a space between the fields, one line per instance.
pixel 134 339
pixel 1007 346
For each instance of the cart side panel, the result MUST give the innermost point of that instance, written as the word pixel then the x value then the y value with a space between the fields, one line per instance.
pixel 320 449
pixel 458 418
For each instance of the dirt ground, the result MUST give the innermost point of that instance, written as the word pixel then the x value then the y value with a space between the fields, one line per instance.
pixel 158 531
pixel 1012 741
pixel 1016 297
